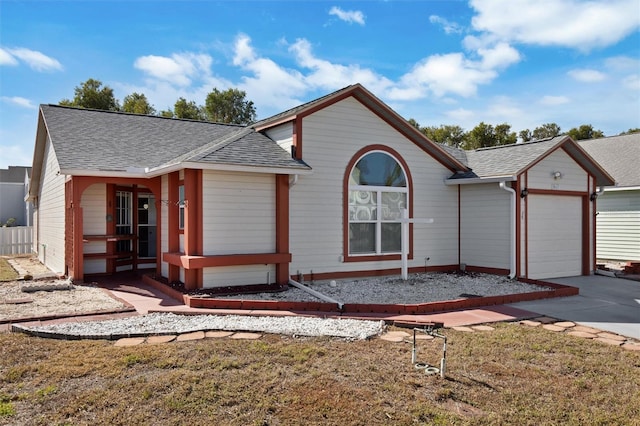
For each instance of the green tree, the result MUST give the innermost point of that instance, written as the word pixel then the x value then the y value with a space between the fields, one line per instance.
pixel 414 123
pixel 166 113
pixel 188 110
pixel 91 94
pixel 585 131
pixel 547 130
pixel 229 106
pixel 445 134
pixel 485 135
pixel 137 103
pixel 525 135
pixel 630 131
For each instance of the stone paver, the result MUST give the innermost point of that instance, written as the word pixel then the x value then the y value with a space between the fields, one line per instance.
pixel 154 340
pixel 631 346
pixel 465 329
pixel 530 323
pixel 565 324
pixel 586 329
pixel 129 341
pixel 482 327
pixel 420 336
pixel 607 335
pixel 553 327
pixel 398 333
pixel 246 336
pixel 583 334
pixel 217 334
pixel 186 337
pixel 609 341
pixel 392 338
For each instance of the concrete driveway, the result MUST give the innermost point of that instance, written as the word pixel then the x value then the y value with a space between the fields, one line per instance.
pixel 608 304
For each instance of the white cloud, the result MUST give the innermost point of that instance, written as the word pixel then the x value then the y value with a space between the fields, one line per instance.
pixel 35 60
pixel 329 76
pixel 586 75
pixel 443 74
pixel 549 100
pixel 17 100
pixel 499 56
pixel 582 25
pixel 6 58
pixel 349 16
pixel 448 26
pixel 460 115
pixel 180 69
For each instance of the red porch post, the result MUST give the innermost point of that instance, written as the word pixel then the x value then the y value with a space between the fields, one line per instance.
pixel 193 242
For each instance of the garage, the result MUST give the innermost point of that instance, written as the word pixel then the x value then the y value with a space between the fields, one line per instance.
pixel 554 227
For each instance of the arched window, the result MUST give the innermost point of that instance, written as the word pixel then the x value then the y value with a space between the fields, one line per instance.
pixel 378 192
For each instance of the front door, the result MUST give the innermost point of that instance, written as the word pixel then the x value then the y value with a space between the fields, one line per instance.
pixel 146 226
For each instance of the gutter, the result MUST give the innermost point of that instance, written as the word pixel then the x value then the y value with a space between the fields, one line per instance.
pixel 492 179
pixel 512 219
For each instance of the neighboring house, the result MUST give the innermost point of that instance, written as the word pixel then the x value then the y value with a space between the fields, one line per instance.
pixel 317 191
pixel 13 191
pixel 618 207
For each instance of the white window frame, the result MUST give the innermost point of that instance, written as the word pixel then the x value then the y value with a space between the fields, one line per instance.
pixel 378 221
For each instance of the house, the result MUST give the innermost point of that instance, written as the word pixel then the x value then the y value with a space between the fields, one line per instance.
pixel 618 208
pixel 318 192
pixel 13 190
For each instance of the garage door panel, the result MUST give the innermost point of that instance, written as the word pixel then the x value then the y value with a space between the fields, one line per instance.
pixel 554 236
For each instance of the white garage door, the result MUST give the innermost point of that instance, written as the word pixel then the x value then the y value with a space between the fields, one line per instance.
pixel 555 236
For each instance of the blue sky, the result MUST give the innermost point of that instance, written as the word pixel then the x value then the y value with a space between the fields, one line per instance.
pixel 522 62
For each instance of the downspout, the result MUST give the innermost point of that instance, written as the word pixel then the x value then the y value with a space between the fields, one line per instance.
pixel 512 262
pixel 293 181
pixel 316 293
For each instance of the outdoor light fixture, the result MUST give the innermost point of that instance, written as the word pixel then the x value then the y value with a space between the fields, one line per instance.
pixel 145 206
pixel 556 175
pixel 593 196
pixel 524 193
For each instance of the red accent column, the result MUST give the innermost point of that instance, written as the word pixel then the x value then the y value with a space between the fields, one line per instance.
pixel 111 227
pixel 586 237
pixel 193 225
pixel 282 226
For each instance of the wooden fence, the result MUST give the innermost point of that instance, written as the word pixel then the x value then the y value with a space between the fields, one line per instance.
pixel 16 240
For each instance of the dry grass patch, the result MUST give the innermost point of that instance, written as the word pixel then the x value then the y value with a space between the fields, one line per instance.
pixel 7 273
pixel 513 375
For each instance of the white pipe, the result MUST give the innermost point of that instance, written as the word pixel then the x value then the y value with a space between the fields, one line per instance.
pixel 294 181
pixel 316 293
pixel 512 262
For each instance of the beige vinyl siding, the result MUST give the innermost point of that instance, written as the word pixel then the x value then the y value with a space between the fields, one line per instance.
pixel 574 178
pixel 485 226
pixel 239 218
pixel 283 135
pixel 618 225
pixel 331 137
pixel 238 275
pixel 51 213
pixel 164 229
pixel 94 208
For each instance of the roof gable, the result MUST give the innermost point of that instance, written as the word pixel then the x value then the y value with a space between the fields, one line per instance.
pixel 375 105
pixel 509 161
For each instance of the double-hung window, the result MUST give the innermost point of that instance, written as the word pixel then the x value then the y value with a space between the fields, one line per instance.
pixel 378 193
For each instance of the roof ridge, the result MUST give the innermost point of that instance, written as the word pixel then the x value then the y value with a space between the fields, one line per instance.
pixel 133 114
pixel 511 145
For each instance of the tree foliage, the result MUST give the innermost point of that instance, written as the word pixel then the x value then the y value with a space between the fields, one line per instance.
pixel 630 131
pixel 229 106
pixel 188 110
pixel 585 131
pixel 137 103
pixel 485 135
pixel 547 130
pixel 91 94
pixel 445 134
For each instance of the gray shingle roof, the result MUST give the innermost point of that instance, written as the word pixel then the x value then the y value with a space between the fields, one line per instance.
pixel 111 141
pixel 14 174
pixel 619 155
pixel 508 159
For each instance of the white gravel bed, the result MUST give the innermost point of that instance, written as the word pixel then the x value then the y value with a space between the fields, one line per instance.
pixel 419 288
pixel 168 323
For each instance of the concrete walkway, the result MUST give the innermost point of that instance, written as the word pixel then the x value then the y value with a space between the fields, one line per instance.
pixel 604 303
